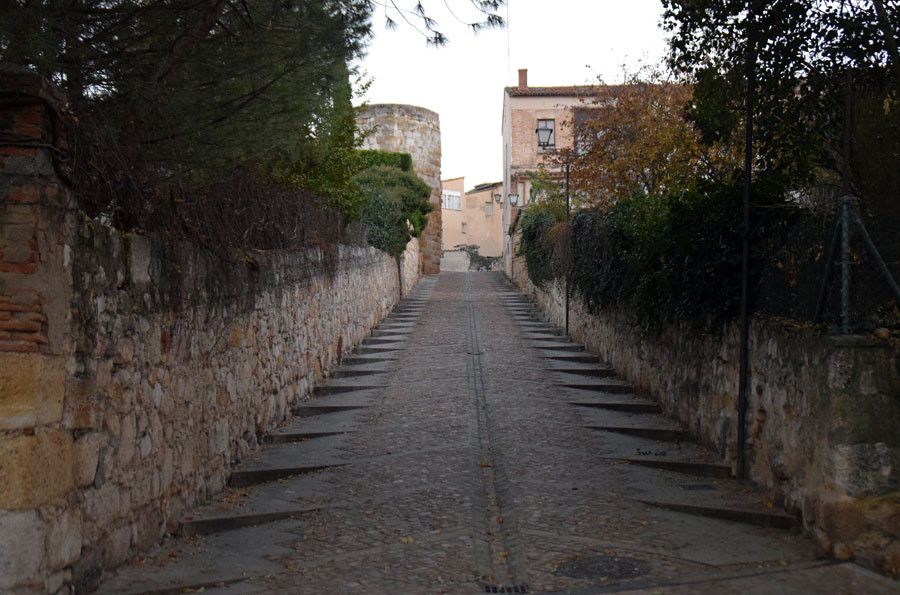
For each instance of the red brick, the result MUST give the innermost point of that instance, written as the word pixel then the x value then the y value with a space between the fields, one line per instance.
pixel 10 307
pixel 31 116
pixel 27 194
pixel 23 268
pixel 18 346
pixel 18 151
pixel 27 130
pixel 30 337
pixel 33 316
pixel 20 325
pixel 5 315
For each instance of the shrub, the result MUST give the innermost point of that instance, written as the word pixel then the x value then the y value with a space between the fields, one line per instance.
pixel 536 223
pixel 372 158
pixel 396 207
pixel 662 257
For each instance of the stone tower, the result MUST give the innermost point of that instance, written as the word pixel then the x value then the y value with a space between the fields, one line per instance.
pixel 417 131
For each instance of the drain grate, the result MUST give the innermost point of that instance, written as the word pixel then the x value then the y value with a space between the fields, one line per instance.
pixel 506 589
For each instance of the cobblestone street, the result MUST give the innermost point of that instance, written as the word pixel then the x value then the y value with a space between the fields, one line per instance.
pixel 467 447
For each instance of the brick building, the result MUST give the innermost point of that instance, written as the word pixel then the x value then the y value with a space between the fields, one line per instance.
pixel 472 218
pixel 524 110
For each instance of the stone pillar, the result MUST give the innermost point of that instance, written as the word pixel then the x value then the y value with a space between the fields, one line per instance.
pixel 417 131
pixel 36 449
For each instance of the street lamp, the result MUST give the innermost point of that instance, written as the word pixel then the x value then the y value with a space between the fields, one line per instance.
pixel 543 139
pixel 543 135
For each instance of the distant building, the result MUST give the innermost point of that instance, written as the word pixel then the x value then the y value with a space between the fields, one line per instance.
pixel 472 218
pixel 526 109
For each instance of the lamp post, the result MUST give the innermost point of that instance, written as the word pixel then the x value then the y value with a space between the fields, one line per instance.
pixel 743 399
pixel 544 138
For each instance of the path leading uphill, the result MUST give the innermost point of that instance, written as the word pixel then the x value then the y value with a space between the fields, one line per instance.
pixel 467 447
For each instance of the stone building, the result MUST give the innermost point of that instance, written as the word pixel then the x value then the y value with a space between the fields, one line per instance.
pixel 417 131
pixel 526 109
pixel 472 218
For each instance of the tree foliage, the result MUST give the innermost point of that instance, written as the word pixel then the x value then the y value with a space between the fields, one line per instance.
pixel 803 52
pixel 635 138
pixel 194 84
pixel 173 92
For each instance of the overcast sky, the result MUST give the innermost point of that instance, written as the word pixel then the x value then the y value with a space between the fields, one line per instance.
pixel 560 42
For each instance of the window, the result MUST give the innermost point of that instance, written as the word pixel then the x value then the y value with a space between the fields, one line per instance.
pixel 489 208
pixel 550 125
pixel 451 199
pixel 464 227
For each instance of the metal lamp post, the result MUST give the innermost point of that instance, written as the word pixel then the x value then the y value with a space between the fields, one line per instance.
pixel 544 138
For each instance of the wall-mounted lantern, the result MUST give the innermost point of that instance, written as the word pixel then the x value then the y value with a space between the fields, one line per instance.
pixel 498 198
pixel 513 199
pixel 543 136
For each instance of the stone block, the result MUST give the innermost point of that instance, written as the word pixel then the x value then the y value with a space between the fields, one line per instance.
pixel 35 470
pixel 86 458
pixel 64 540
pixel 21 549
pixel 31 390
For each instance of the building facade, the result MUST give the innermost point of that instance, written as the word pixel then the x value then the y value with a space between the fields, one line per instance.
pixel 472 218
pixel 525 109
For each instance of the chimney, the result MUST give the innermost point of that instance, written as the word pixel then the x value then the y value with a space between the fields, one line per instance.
pixel 523 78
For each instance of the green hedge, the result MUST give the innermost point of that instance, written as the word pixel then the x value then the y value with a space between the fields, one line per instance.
pixel 396 207
pixel 372 158
pixel 662 257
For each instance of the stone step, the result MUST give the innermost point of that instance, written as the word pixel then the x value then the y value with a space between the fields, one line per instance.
pixel 590 372
pixel 356 373
pixel 615 388
pixel 775 518
pixel 544 336
pixel 695 468
pixel 547 346
pixel 363 359
pixel 627 406
pixel 374 350
pixel 384 340
pixel 663 434
pixel 540 329
pixel 391 333
pixel 208 526
pixel 250 477
pixel 311 410
pixel 287 437
pixel 337 389
pixel 582 359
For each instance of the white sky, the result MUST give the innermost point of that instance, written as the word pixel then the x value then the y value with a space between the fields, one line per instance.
pixel 561 42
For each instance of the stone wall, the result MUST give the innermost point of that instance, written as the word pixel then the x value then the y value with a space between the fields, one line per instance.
pixel 133 371
pixel 824 412
pixel 409 267
pixel 417 131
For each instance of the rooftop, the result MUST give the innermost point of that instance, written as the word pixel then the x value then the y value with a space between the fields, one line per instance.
pixel 564 91
pixel 482 187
